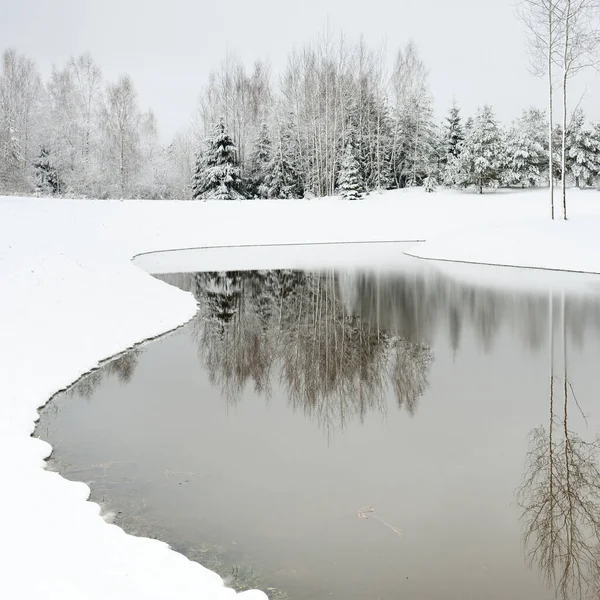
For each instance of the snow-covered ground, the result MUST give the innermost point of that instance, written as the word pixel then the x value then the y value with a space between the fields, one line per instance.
pixel 71 297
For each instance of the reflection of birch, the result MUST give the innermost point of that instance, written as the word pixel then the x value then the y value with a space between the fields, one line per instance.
pixel 409 367
pixel 333 365
pixel 560 497
pixel 122 367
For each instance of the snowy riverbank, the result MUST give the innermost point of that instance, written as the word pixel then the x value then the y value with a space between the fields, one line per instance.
pixel 71 298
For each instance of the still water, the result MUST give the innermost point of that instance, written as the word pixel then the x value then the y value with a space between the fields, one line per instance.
pixel 356 434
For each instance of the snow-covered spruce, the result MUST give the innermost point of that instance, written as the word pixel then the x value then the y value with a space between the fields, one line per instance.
pixel 526 151
pixel 453 137
pixel 282 180
pixel 258 167
pixel 350 181
pixel 583 151
pixel 217 173
pixel 481 160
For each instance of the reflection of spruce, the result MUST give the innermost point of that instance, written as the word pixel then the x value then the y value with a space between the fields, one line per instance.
pixel 222 293
pixel 232 342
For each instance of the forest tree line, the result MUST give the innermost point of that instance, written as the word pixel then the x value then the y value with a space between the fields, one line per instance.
pixel 334 121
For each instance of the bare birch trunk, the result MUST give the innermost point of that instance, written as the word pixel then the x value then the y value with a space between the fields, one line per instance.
pixel 550 108
pixel 567 18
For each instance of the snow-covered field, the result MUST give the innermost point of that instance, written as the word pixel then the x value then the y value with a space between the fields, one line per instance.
pixel 71 297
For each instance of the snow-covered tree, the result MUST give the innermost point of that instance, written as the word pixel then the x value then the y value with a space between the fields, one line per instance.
pixel 414 134
pixel 452 142
pixel 217 173
pixel 557 153
pixel 260 158
pixel 481 161
pixel 198 176
pixel 12 164
pixel 583 151
pixel 526 150
pixel 350 181
pixel 20 96
pixel 47 179
pixel 153 177
pixel 61 130
pixel 454 133
pixel 282 179
pixel 180 166
pixel 121 120
pixel 430 184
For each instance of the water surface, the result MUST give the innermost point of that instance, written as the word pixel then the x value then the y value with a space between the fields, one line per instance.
pixel 356 434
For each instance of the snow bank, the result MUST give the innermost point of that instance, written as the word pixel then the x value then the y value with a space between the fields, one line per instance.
pixel 71 298
pixel 571 245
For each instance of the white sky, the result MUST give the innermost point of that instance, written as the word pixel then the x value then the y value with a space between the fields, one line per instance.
pixel 474 49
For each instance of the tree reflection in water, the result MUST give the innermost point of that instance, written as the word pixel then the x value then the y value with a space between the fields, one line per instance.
pixel 333 364
pixel 560 494
pixel 123 367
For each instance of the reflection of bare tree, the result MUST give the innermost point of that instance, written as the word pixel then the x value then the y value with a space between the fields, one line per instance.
pixel 235 354
pixel 560 496
pixel 408 372
pixel 122 367
pixel 333 365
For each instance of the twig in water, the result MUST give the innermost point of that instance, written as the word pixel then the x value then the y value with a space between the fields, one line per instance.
pixel 363 513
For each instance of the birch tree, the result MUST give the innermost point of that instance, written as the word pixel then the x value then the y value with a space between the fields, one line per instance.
pixel 543 22
pixel 413 130
pixel 20 94
pixel 580 39
pixel 86 77
pixel 122 121
pixel 62 135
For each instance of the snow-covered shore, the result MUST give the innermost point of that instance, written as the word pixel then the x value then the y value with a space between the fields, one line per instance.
pixel 71 297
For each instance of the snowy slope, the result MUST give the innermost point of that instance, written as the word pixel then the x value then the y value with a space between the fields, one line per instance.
pixel 71 298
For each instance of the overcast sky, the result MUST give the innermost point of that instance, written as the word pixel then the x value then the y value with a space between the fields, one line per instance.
pixel 474 49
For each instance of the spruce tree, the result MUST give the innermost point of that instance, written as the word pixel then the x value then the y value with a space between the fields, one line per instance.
pixel 258 167
pixel 454 132
pixel 350 180
pixel 46 175
pixel 382 177
pixel 414 141
pixel 557 152
pixel 582 151
pixel 453 139
pixel 196 177
pixel 282 180
pixel 481 161
pixel 430 184
pixel 526 150
pixel 217 174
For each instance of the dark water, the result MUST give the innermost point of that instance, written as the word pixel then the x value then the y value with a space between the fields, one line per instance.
pixel 360 435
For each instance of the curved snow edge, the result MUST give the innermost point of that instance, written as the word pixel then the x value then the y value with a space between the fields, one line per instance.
pixel 567 246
